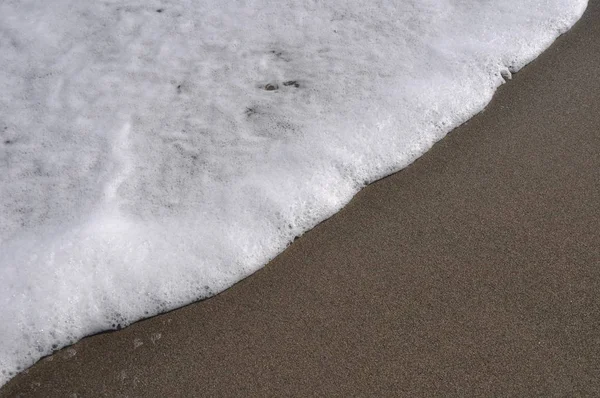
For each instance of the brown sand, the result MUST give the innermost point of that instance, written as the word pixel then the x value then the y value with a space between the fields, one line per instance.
pixel 475 271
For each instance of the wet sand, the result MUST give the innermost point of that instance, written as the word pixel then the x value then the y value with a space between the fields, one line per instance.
pixel 473 272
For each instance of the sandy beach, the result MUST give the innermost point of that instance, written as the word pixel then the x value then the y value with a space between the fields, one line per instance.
pixel 473 272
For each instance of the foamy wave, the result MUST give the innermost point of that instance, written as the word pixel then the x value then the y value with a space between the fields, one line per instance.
pixel 154 153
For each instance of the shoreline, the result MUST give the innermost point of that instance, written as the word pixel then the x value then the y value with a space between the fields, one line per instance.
pixel 470 272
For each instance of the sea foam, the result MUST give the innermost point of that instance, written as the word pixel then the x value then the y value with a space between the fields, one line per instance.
pixel 154 153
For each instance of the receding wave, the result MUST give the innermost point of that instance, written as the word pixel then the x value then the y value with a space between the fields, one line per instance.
pixel 154 153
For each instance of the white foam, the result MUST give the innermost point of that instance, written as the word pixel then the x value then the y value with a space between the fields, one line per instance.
pixel 143 165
